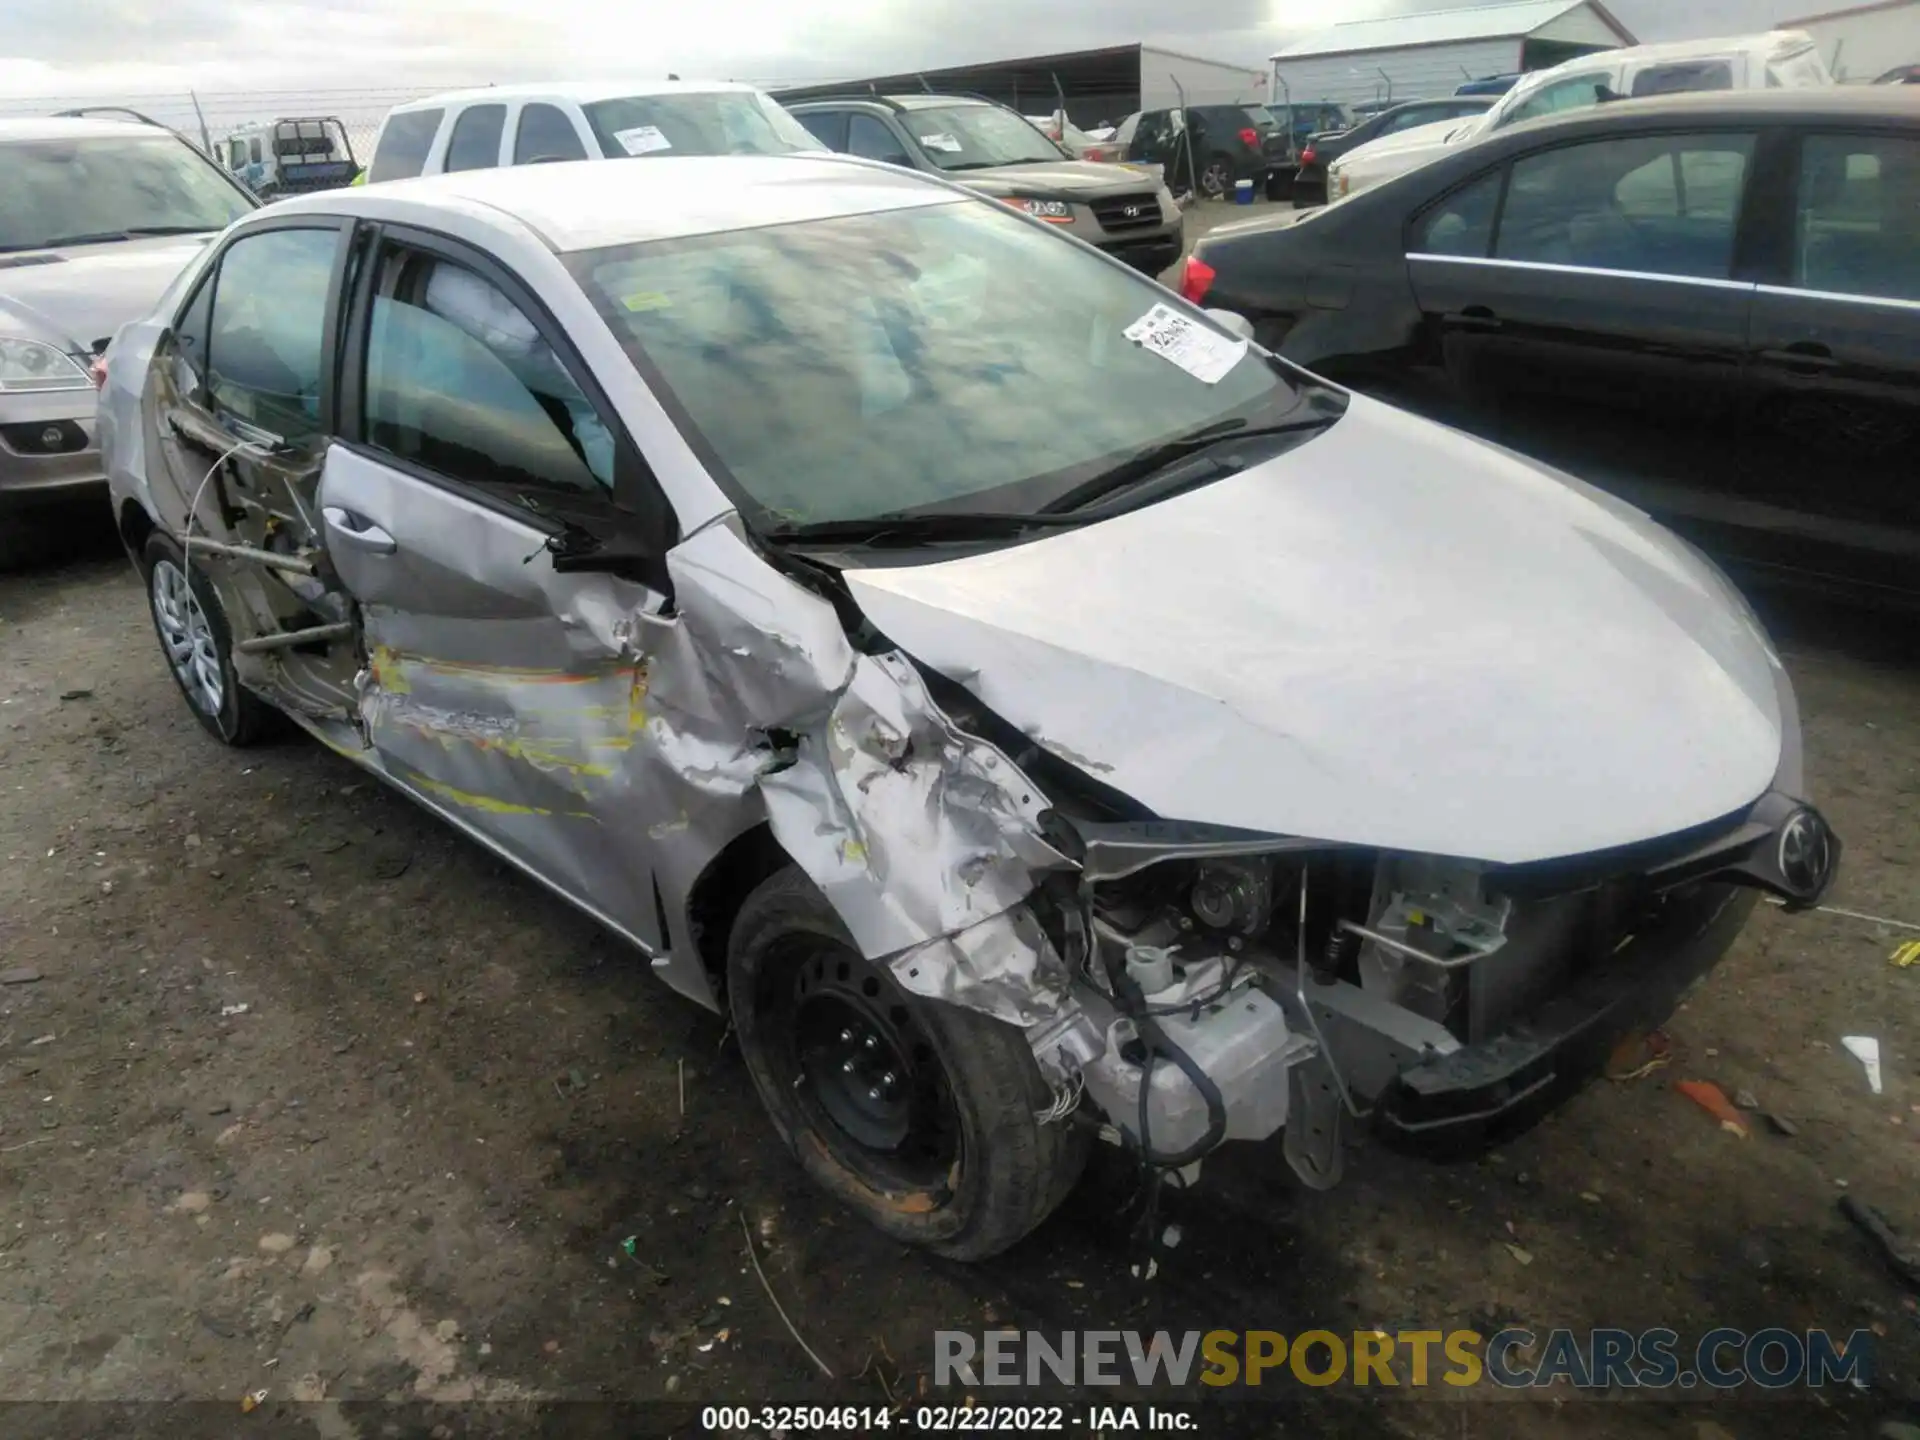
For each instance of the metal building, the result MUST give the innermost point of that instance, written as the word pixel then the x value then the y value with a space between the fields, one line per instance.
pixel 1410 57
pixel 1864 42
pixel 1097 86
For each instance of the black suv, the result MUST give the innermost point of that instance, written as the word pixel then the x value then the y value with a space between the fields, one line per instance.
pixel 1230 143
pixel 1327 146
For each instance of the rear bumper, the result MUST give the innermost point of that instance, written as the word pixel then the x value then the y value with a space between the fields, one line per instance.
pixel 1461 1103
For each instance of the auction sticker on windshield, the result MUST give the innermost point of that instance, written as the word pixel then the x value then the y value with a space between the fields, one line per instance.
pixel 642 140
pixel 942 141
pixel 1202 353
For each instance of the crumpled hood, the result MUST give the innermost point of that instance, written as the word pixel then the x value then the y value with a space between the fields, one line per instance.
pixel 88 292
pixel 1068 177
pixel 1392 635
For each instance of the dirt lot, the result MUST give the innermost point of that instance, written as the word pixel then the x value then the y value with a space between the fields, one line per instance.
pixel 311 1096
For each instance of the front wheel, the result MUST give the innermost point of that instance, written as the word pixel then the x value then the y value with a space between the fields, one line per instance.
pixel 919 1115
pixel 198 646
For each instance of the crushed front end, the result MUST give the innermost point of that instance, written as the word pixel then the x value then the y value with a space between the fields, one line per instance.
pixel 1248 985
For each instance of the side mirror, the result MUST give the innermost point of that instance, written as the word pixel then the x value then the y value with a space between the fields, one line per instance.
pixel 1232 320
pixel 1606 95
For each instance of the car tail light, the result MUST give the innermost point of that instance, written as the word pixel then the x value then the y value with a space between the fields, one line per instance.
pixel 1196 279
pixel 1307 157
pixel 97 372
pixel 1250 138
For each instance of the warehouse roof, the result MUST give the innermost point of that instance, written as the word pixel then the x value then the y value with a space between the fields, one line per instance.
pixel 1512 21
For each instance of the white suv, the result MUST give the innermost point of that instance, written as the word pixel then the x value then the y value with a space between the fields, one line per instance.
pixel 601 120
pixel 1780 59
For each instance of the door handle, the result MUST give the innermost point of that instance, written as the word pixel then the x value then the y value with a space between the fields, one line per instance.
pixel 1475 317
pixel 1808 357
pixel 358 531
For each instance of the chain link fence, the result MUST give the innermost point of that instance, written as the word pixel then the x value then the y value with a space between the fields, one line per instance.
pixel 210 119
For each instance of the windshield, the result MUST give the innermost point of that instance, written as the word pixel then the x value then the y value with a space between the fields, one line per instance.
pixel 725 122
pixel 69 191
pixel 954 356
pixel 975 137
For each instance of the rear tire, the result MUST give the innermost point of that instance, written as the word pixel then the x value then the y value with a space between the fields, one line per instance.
pixel 918 1115
pixel 197 645
pixel 1216 180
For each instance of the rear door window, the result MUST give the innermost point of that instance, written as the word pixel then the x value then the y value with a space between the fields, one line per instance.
pixel 475 144
pixel 546 133
pixel 267 332
pixel 1657 204
pixel 1857 230
pixel 1677 79
pixel 1575 93
pixel 1462 223
pixel 829 127
pixel 404 144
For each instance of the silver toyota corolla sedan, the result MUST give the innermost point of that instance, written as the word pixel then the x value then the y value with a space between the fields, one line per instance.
pixel 97 217
pixel 1037 713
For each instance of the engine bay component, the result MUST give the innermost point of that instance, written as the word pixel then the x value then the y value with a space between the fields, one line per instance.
pixel 1234 895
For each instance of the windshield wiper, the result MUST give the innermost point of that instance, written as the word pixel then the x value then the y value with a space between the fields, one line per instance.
pixel 909 528
pixel 1155 458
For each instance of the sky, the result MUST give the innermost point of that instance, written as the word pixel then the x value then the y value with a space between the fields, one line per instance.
pixel 147 47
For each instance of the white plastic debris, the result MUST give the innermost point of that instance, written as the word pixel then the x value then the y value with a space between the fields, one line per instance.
pixel 1866 1050
pixel 226 1010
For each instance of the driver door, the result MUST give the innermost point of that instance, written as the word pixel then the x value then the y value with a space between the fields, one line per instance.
pixel 504 681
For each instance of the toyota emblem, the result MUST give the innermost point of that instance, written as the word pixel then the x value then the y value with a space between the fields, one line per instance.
pixel 1806 853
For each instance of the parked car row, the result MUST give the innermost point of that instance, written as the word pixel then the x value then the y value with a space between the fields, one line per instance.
pixel 1709 305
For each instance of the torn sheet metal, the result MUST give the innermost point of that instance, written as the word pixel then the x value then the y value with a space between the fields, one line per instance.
pixel 1005 967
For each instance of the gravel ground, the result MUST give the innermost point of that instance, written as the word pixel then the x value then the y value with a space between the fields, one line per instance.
pixel 308 1095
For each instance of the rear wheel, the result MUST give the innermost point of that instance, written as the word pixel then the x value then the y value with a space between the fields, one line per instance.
pixel 1216 180
pixel 918 1115
pixel 198 646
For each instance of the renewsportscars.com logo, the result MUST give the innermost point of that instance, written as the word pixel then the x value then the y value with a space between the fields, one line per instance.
pixel 1511 1359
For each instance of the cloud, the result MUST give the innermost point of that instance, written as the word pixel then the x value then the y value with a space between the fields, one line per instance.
pixel 139 47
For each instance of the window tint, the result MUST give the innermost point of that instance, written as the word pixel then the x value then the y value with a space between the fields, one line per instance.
pixel 1572 94
pixel 476 138
pixel 546 133
pixel 1659 204
pixel 269 323
pixel 190 334
pixel 1692 75
pixel 869 137
pixel 829 127
pixel 253 150
pixel 1461 224
pixel 1858 227
pixel 236 154
pixel 403 147
pixel 461 381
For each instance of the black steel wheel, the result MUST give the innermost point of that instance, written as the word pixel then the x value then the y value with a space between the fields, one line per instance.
pixel 920 1115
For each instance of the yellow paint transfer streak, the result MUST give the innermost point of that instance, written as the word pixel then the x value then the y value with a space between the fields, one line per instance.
pixel 468 800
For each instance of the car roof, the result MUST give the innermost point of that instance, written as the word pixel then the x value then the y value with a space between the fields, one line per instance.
pixel 62 127
pixel 578 92
pixel 587 204
pixel 1813 103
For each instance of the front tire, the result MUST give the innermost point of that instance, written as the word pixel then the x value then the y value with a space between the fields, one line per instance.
pixel 916 1114
pixel 197 645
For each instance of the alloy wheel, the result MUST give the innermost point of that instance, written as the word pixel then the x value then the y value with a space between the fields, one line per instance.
pixel 187 637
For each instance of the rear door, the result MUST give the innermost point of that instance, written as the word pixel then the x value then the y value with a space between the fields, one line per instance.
pixel 1599 321
pixel 504 682
pixel 829 127
pixel 242 396
pixel 1834 459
